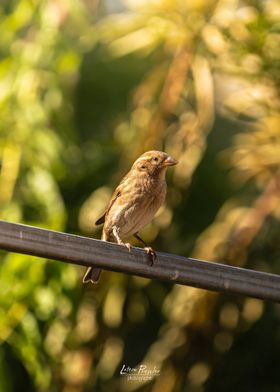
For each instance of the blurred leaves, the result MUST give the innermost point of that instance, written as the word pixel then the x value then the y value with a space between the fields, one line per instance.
pixel 38 67
pixel 83 92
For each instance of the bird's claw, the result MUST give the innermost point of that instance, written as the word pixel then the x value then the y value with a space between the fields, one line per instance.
pixel 126 244
pixel 151 253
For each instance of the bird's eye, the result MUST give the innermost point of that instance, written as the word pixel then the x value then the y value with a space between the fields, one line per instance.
pixel 143 167
pixel 155 159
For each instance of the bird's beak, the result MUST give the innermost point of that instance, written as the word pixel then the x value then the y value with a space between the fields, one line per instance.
pixel 169 161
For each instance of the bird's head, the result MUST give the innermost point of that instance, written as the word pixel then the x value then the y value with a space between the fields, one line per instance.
pixel 154 162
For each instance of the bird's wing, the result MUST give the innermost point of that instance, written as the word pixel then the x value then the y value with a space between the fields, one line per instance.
pixel 114 197
pixel 112 201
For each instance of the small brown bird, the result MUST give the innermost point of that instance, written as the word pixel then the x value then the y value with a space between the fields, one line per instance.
pixel 134 203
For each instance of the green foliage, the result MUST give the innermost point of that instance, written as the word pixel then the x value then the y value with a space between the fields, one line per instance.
pixel 79 101
pixel 38 66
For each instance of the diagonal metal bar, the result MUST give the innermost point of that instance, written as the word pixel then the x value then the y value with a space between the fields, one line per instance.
pixel 86 251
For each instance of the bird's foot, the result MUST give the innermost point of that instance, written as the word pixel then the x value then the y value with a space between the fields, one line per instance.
pixel 126 244
pixel 151 253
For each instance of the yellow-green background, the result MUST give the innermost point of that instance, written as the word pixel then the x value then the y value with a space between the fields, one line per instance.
pixel 85 87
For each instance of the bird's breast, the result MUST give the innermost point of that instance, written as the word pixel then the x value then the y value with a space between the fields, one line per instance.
pixel 136 206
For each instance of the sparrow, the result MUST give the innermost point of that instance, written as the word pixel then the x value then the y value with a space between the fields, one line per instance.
pixel 134 203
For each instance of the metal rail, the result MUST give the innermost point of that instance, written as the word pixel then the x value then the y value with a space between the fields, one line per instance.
pixel 86 251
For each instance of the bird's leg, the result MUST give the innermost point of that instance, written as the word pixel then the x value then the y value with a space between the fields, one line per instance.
pixel 119 241
pixel 148 249
pixel 136 235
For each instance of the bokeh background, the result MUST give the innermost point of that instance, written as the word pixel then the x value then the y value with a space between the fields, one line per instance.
pixel 85 87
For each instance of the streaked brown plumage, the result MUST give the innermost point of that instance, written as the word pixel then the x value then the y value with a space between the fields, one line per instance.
pixel 134 203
